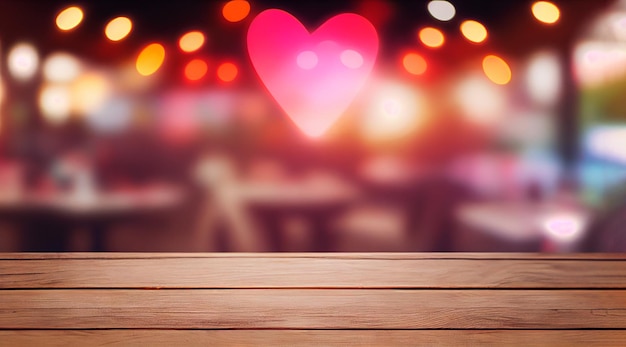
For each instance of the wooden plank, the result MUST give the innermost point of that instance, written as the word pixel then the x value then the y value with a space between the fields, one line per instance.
pixel 312 309
pixel 313 338
pixel 121 255
pixel 316 272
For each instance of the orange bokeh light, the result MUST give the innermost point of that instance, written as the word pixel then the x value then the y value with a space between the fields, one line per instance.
pixel 69 18
pixel 431 37
pixel 191 41
pixel 236 10
pixel 414 63
pixel 150 59
pixel 196 69
pixel 227 72
pixel 496 69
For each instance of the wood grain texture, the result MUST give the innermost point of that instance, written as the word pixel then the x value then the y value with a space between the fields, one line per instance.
pixel 312 309
pixel 312 338
pixel 316 272
pixel 321 299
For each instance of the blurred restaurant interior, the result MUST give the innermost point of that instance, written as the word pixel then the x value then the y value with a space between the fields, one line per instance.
pixel 180 126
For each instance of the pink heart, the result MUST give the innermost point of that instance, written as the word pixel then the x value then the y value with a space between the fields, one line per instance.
pixel 313 77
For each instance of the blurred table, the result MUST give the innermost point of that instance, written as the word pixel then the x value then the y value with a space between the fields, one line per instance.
pixel 316 200
pixel 549 226
pixel 94 211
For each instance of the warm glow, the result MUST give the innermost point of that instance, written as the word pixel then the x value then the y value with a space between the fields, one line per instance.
pixel 61 67
pixel 543 78
pixel 69 18
pixel 236 10
pixel 546 12
pixel 481 102
pixel 227 72
pixel 496 69
pixel 474 31
pixel 396 110
pixel 196 69
pixel 118 28
pixel 414 63
pixel 90 92
pixel 431 37
pixel 441 10
pixel 55 103
pixel 150 59
pixel 23 61
pixel 191 41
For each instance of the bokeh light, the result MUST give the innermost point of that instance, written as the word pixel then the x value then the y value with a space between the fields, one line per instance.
pixel 227 72
pixel 23 61
pixel 351 59
pixel 546 12
pixel 441 10
pixel 543 78
pixel 396 110
pixel 306 60
pixel 496 69
pixel 69 18
pixel 481 102
pixel 564 226
pixel 196 69
pixel 431 37
pixel 55 103
pixel 474 31
pixel 61 67
pixel 236 10
pixel 118 28
pixel 150 59
pixel 191 41
pixel 414 63
pixel 89 92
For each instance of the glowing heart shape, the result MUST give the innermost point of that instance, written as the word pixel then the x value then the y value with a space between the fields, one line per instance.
pixel 313 76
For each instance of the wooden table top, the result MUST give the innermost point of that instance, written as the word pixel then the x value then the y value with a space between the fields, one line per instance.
pixel 304 299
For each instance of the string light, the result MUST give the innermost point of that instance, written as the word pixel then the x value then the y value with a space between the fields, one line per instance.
pixel 546 12
pixel 191 41
pixel 196 69
pixel 431 37
pixel 414 63
pixel 474 31
pixel 118 28
pixel 496 69
pixel 227 72
pixel 150 59
pixel 236 10
pixel 441 10
pixel 69 18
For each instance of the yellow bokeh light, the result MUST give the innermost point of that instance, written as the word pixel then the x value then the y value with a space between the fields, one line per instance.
pixel 227 72
pixel 69 18
pixel 150 59
pixel 546 12
pixel 474 31
pixel 496 69
pixel 191 41
pixel 236 10
pixel 118 28
pixel 414 63
pixel 89 92
pixel 431 37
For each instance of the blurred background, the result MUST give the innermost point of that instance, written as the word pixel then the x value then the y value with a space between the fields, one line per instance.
pixel 485 125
